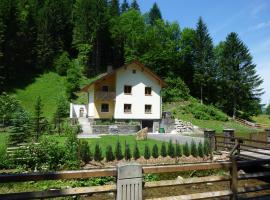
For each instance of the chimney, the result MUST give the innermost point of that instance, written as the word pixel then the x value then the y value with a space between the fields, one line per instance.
pixel 109 68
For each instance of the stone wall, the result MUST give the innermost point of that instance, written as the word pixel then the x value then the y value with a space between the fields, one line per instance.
pixel 115 129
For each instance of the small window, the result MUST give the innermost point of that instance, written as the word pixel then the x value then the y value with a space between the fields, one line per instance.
pixel 148 109
pixel 148 91
pixel 127 89
pixel 127 108
pixel 134 71
pixel 104 107
pixel 105 88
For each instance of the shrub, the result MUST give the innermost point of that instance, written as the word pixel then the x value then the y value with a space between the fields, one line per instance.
pixel 171 150
pixel 136 152
pixel 109 153
pixel 200 149
pixel 186 150
pixel 178 150
pixel 98 153
pixel 155 151
pixel 127 152
pixel 163 151
pixel 118 151
pixel 147 153
pixel 85 153
pixel 193 149
pixel 72 150
pixel 206 147
pixel 62 63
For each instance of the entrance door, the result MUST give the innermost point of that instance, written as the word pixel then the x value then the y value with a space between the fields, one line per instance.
pixel 149 124
pixel 81 112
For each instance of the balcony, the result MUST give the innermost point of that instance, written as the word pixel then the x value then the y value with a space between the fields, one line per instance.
pixel 105 96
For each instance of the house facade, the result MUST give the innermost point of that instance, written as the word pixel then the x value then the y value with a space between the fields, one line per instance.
pixel 131 92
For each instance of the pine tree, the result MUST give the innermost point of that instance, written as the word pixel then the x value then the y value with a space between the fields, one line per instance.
pixel 135 5
pixel 206 147
pixel 61 113
pixel 98 153
pixel 200 149
pixel 124 6
pixel 2 68
pixel 147 153
pixel 193 149
pixel 127 152
pixel 155 151
pixel 178 150
pixel 85 153
pixel 114 8
pixel 186 150
pixel 118 151
pixel 240 84
pixel 203 62
pixel 38 118
pixel 171 150
pixel 109 153
pixel 154 14
pixel 73 80
pixel 163 151
pixel 136 152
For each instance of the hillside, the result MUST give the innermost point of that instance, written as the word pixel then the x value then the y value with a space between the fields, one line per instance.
pixel 49 87
pixel 204 116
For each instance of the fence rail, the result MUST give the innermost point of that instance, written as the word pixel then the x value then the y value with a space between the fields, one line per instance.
pixel 231 165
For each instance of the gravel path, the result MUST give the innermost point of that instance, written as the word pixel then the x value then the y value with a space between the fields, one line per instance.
pixel 175 137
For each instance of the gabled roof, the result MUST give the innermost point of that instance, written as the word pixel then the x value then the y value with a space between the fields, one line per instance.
pixel 103 76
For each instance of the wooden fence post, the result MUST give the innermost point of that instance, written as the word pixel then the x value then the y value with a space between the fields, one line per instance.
pixel 229 133
pixel 210 135
pixel 234 178
pixel 129 182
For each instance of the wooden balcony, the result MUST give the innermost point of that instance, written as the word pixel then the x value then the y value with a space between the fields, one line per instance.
pixel 105 96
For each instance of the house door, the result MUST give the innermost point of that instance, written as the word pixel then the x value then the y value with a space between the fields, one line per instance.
pixel 149 124
pixel 81 112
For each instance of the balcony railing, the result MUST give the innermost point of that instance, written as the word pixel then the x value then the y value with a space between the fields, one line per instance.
pixel 105 95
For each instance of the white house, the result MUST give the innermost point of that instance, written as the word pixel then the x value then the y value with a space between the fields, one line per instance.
pixel 131 92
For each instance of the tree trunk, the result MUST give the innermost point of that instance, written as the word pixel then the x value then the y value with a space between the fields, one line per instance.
pixel 201 95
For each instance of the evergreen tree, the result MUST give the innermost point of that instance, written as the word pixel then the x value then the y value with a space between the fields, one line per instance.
pixel 155 151
pixel 114 8
pixel 206 147
pixel 73 80
pixel 124 6
pixel 186 150
pixel 118 151
pixel 2 69
pixel 136 152
pixel 61 113
pixel 171 150
pixel 85 153
pixel 127 152
pixel 163 151
pixel 204 73
pixel 135 5
pixel 38 118
pixel 267 110
pixel 193 149
pixel 178 150
pixel 62 63
pixel 147 153
pixel 200 149
pixel 154 14
pixel 98 153
pixel 109 153
pixel 240 84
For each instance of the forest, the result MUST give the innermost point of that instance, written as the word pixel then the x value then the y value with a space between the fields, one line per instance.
pixel 80 38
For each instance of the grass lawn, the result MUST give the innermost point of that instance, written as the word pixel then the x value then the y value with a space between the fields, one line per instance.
pixel 49 87
pixel 262 119
pixel 104 141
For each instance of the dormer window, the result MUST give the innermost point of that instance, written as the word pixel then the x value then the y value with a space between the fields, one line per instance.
pixel 148 91
pixel 105 88
pixel 127 89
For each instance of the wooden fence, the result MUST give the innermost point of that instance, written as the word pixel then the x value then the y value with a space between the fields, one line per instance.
pixel 234 191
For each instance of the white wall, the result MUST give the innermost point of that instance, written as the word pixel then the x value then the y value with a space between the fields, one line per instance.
pixel 75 110
pixel 138 81
pixel 91 105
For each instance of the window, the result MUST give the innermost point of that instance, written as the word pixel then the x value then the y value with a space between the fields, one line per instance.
pixel 105 88
pixel 148 109
pixel 134 71
pixel 104 107
pixel 127 108
pixel 127 89
pixel 148 91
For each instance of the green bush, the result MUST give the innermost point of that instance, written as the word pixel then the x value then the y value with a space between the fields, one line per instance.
pixel 72 150
pixel 118 151
pixel 147 153
pixel 186 150
pixel 193 149
pixel 127 152
pixel 178 150
pixel 136 152
pixel 109 153
pixel 206 147
pixel 85 153
pixel 200 149
pixel 163 151
pixel 62 63
pixel 155 151
pixel 98 153
pixel 171 150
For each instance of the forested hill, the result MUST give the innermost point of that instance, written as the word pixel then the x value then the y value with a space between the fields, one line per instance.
pixel 79 38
